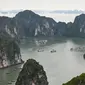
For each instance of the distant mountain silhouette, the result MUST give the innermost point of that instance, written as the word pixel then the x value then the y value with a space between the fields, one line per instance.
pixel 69 11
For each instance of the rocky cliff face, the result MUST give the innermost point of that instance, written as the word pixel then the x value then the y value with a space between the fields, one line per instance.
pixel 29 24
pixel 77 28
pixel 9 51
pixel 26 24
pixel 79 25
pixel 8 26
pixel 32 74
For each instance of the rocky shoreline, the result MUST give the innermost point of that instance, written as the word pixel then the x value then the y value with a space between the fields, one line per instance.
pixel 22 62
pixel 10 54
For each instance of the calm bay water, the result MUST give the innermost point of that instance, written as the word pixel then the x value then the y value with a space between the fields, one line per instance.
pixel 60 66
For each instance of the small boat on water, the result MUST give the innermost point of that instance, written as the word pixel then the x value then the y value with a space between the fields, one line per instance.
pixel 52 51
pixel 71 49
pixel 78 49
pixel 7 73
pixel 12 81
pixel 40 50
pixel 9 83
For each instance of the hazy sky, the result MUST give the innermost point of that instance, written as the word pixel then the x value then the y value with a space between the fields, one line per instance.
pixel 42 4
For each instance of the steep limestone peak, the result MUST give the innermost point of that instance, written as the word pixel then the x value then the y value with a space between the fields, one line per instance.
pixel 32 74
pixel 26 14
pixel 80 19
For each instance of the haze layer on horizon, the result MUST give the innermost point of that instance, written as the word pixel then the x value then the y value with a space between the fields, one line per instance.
pixel 42 4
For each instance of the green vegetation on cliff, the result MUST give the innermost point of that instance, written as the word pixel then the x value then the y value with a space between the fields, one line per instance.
pixel 79 80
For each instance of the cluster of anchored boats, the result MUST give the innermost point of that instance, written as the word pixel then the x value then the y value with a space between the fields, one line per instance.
pixel 42 50
pixel 79 49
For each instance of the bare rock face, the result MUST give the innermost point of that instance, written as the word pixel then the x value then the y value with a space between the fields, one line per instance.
pixel 31 24
pixel 32 74
pixel 9 52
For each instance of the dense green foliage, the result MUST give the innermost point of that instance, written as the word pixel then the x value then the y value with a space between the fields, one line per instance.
pixel 79 80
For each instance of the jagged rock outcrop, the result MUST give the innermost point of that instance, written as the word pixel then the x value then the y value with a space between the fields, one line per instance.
pixel 32 74
pixel 8 26
pixel 9 51
pixel 79 80
pixel 30 24
pixel 77 28
pixel 26 24
pixel 79 25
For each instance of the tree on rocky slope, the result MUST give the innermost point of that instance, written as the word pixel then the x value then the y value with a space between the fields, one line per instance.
pixel 32 74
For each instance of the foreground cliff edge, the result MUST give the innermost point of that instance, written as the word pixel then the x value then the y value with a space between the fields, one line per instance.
pixel 9 52
pixel 79 80
pixel 32 74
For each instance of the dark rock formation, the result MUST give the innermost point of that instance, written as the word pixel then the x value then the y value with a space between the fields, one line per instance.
pixel 77 28
pixel 9 51
pixel 79 80
pixel 30 24
pixel 32 74
pixel 8 26
pixel 79 25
